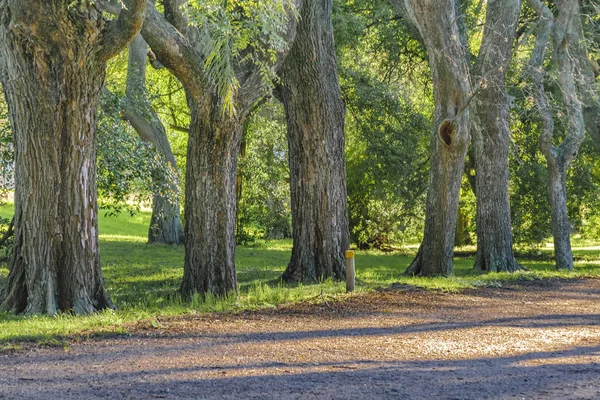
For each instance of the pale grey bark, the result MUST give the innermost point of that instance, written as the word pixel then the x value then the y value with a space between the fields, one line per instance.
pixel 436 22
pixel 558 157
pixel 165 225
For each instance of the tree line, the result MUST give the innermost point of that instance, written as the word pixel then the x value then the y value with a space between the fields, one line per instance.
pixel 227 61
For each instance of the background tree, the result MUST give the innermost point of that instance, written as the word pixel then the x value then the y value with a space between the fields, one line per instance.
pixel 315 114
pixel 165 225
pixel 53 56
pixel 263 177
pixel 558 157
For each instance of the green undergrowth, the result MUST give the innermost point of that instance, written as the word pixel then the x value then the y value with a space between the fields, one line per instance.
pixel 143 281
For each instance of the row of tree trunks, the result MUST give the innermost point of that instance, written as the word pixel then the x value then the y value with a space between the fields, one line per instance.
pixel 53 66
pixel 491 138
pixel 315 115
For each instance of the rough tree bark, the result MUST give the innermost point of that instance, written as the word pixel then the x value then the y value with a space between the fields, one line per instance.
pixel 213 148
pixel 491 138
pixel 436 22
pixel 54 57
pixel 165 224
pixel 558 157
pixel 315 116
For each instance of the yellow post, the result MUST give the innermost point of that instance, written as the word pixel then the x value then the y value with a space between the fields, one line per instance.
pixel 350 271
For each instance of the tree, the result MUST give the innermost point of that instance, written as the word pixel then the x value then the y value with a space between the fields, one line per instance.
pixel 53 56
pixel 315 115
pixel 559 157
pixel 438 25
pixel 223 60
pixel 491 138
pixel 165 225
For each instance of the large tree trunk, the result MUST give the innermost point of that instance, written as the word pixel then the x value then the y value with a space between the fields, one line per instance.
pixel 558 157
pixel 213 147
pixel 436 21
pixel 491 139
pixel 315 115
pixel 52 77
pixel 165 225
pixel 210 201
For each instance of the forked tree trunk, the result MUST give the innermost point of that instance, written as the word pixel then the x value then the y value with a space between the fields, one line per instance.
pixel 315 116
pixel 558 157
pixel 165 224
pixel 52 77
pixel 436 21
pixel 210 201
pixel 491 139
pixel 213 147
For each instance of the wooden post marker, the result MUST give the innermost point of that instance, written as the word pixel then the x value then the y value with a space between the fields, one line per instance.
pixel 350 272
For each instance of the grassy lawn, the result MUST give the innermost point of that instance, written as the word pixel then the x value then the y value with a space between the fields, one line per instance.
pixel 143 280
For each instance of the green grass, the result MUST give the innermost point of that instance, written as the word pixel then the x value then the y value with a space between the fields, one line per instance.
pixel 143 280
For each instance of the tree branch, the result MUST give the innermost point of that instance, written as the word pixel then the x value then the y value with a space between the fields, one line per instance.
pixel 536 71
pixel 176 15
pixel 113 7
pixel 119 32
pixel 174 51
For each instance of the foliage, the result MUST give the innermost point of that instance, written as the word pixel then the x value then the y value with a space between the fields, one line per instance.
pixel 263 207
pixel 381 65
pixel 130 171
pixel 387 164
pixel 235 32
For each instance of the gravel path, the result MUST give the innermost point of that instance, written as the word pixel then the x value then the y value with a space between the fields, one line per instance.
pixel 538 340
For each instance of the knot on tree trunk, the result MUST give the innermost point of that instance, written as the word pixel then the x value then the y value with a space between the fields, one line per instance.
pixel 447 131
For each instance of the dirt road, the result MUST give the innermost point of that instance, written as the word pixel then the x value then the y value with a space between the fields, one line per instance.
pixel 538 340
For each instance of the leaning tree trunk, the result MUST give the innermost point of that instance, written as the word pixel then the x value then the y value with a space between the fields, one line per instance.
pixel 491 139
pixel 558 157
pixel 52 77
pixel 315 116
pixel 165 224
pixel 436 21
pixel 210 200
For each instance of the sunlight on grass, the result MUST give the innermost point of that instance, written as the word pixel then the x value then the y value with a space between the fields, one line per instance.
pixel 143 281
pixel 123 238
